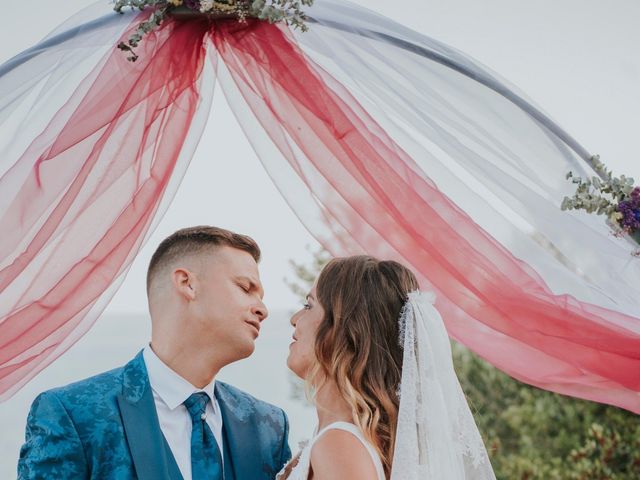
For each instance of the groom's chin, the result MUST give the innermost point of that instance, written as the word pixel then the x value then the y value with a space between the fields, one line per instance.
pixel 245 349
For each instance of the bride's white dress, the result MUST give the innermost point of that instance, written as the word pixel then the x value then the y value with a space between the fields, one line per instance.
pixel 301 469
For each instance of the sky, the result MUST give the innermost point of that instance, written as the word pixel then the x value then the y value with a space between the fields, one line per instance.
pixel 577 59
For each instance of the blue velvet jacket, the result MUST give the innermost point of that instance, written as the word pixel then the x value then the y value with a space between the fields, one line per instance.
pixel 106 427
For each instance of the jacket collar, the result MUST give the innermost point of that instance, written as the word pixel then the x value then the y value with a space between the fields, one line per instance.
pixel 150 453
pixel 241 434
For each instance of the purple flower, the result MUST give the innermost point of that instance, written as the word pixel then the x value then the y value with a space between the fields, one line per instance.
pixel 630 210
pixel 192 4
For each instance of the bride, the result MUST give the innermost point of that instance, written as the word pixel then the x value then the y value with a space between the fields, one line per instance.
pixel 375 354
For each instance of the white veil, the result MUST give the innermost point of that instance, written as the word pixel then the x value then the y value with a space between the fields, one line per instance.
pixel 437 437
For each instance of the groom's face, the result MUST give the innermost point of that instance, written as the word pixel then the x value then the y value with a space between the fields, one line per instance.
pixel 228 310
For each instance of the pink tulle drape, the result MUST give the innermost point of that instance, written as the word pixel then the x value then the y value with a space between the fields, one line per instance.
pixel 384 204
pixel 89 187
pixel 91 184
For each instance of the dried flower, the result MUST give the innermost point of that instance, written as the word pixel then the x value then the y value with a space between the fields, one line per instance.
pixel 289 11
pixel 206 5
pixel 615 197
pixel 630 211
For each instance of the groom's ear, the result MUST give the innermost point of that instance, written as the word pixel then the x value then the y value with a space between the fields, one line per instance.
pixel 184 283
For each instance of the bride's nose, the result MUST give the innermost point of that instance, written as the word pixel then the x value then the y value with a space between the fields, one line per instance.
pixel 294 320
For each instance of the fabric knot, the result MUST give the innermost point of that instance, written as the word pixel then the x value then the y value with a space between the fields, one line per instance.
pixel 196 405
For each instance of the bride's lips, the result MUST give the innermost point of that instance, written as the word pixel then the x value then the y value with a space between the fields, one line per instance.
pixel 255 324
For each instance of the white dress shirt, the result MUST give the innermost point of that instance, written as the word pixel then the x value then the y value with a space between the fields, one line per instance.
pixel 170 390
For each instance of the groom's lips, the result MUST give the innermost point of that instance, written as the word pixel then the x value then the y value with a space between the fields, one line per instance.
pixel 255 324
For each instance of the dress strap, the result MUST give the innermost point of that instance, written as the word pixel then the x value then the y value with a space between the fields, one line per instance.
pixel 355 431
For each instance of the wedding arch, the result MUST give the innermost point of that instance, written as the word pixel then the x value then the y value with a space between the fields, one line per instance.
pixel 382 140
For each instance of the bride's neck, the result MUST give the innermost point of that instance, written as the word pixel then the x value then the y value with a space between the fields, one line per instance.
pixel 331 407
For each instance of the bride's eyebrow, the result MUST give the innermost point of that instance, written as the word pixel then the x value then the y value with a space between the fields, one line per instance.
pixel 309 296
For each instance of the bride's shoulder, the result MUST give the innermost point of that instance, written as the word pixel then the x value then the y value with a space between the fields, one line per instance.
pixel 340 453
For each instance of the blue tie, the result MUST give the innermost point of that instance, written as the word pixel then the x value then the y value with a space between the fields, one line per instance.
pixel 206 461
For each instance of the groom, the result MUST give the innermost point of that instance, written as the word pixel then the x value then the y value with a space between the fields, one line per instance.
pixel 163 415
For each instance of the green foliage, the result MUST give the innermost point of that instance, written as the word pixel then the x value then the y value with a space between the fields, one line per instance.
pixel 599 195
pixel 291 11
pixel 306 274
pixel 532 434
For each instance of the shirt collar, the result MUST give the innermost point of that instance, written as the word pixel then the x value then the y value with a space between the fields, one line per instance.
pixel 171 387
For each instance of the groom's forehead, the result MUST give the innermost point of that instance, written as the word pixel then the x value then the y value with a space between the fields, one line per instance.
pixel 234 258
pixel 234 262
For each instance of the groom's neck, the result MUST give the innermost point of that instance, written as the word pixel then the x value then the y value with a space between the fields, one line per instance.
pixel 197 367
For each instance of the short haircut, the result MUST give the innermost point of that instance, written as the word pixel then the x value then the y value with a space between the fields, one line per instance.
pixel 193 240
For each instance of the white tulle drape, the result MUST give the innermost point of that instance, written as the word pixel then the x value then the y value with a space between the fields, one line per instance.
pixel 496 159
pixel 379 142
pixel 382 140
pixel 80 194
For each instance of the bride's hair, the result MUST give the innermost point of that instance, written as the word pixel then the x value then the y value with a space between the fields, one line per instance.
pixel 357 342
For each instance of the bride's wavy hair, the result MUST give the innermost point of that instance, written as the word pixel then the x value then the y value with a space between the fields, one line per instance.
pixel 357 342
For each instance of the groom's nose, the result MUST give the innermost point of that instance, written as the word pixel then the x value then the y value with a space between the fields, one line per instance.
pixel 260 311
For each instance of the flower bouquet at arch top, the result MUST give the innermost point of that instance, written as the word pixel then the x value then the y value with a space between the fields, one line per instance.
pixel 615 197
pixel 289 11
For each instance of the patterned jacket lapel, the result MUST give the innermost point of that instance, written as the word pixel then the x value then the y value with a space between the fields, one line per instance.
pixel 241 434
pixel 151 456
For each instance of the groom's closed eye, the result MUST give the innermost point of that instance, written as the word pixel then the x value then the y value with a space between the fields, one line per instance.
pixel 249 286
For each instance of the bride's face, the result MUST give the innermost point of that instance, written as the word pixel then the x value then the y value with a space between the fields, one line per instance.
pixel 306 323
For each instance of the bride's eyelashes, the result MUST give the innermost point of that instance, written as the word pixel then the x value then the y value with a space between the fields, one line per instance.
pixel 306 306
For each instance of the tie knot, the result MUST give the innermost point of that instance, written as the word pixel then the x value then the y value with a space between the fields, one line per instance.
pixel 196 405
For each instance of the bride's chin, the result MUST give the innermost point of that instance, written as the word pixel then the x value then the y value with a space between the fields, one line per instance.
pixel 291 365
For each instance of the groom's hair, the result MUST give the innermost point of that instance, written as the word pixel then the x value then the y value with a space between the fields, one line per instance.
pixel 195 240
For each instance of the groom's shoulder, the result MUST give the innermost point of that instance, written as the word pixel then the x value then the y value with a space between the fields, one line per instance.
pixel 100 388
pixel 248 403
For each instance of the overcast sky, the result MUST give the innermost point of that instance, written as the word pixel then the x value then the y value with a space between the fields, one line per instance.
pixel 578 59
